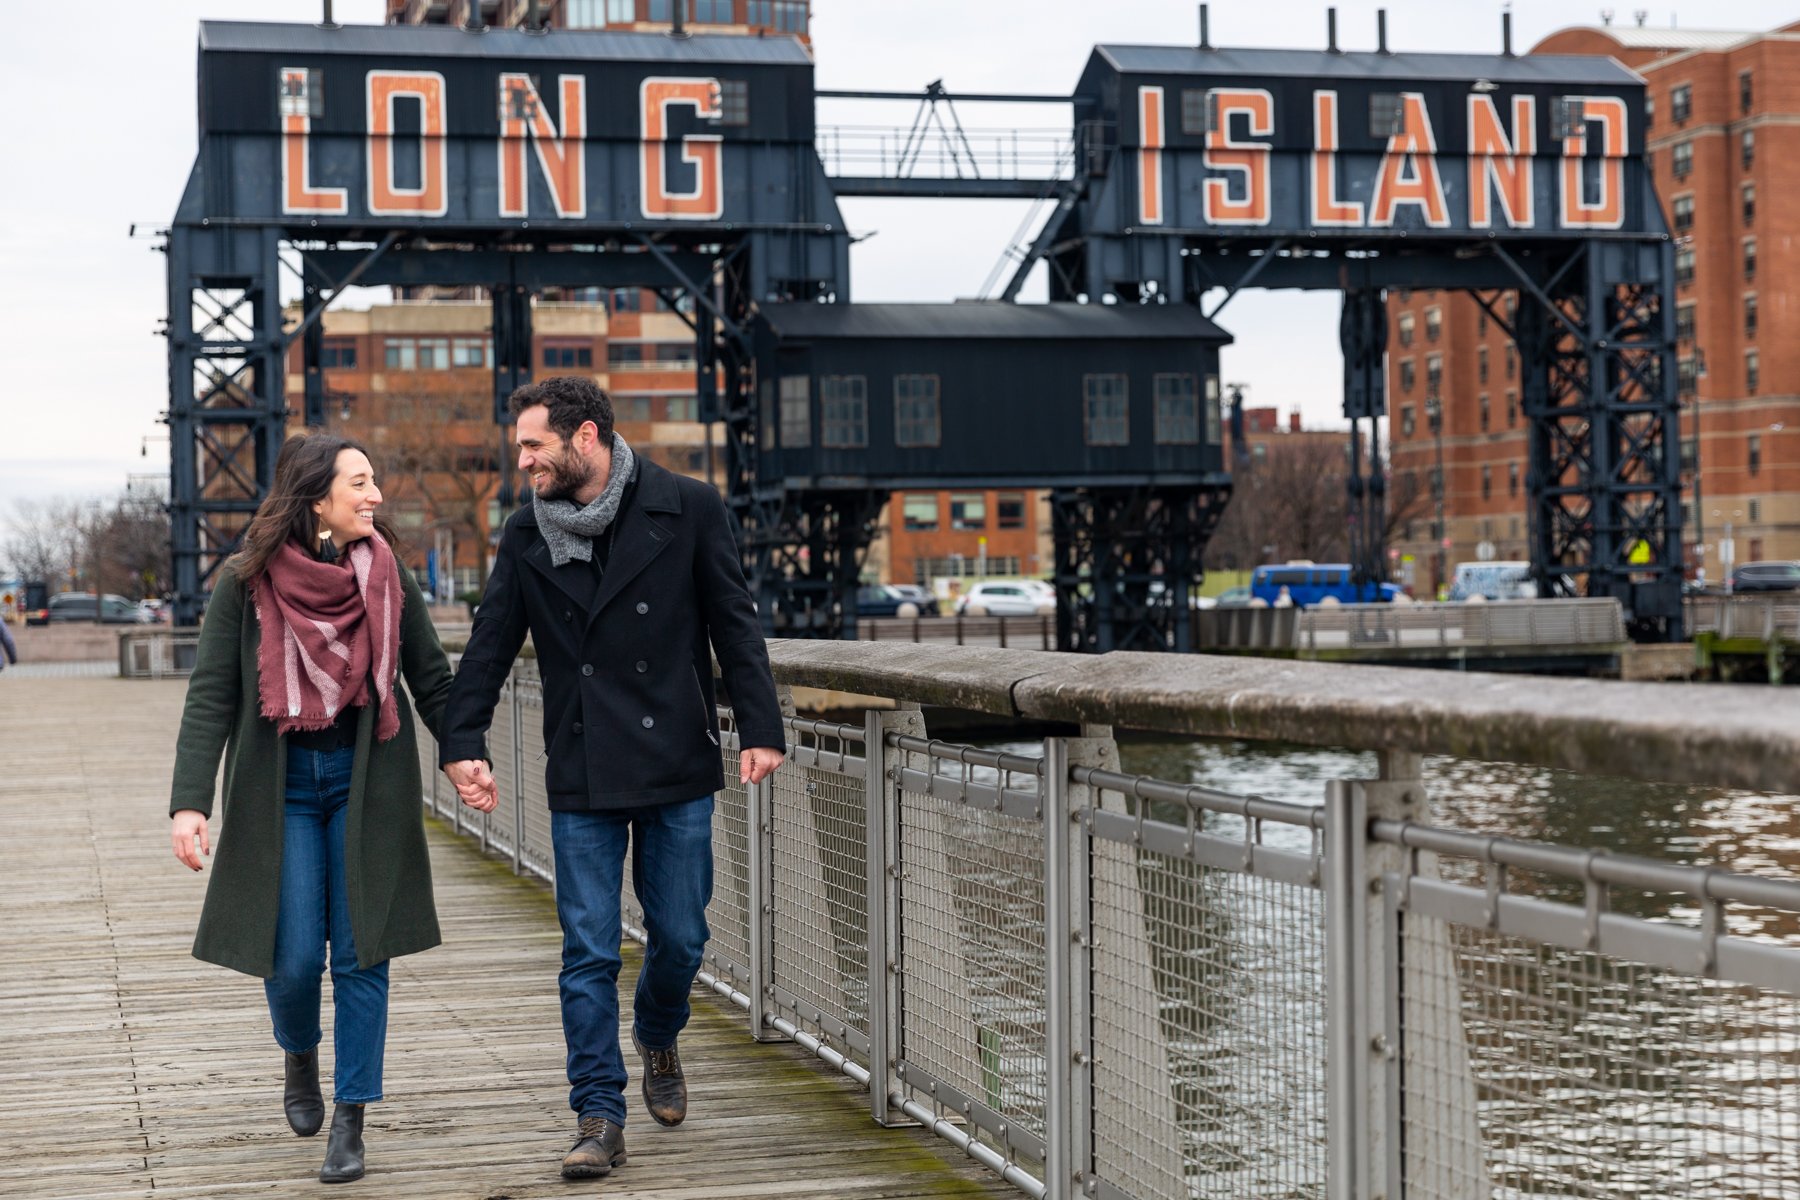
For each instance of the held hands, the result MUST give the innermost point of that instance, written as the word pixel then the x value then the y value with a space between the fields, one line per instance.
pixel 187 825
pixel 474 782
pixel 757 764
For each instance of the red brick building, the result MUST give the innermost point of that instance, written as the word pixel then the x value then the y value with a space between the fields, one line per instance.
pixel 1723 141
pixel 714 16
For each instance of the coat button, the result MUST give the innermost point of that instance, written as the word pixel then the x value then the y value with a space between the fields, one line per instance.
pixel 577 728
pixel 642 666
pixel 649 722
pixel 642 607
pixel 568 614
pixel 587 668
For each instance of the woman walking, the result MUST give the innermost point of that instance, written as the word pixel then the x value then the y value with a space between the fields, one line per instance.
pixel 309 629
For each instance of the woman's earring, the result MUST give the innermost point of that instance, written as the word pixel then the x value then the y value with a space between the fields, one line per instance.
pixel 327 550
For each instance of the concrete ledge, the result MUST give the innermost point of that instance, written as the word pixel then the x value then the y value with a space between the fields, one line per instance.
pixel 1711 734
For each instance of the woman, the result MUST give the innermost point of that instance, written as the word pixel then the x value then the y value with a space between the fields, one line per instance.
pixel 323 840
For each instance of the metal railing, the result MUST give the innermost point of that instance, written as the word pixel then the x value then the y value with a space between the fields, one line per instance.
pixel 1104 984
pixel 933 151
pixel 1566 622
pixel 1765 617
pixel 1021 633
pixel 158 653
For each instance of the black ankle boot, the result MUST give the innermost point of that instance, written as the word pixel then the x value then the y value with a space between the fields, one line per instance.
pixel 344 1149
pixel 300 1097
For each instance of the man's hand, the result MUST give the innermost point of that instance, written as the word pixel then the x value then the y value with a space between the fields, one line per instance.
pixel 474 782
pixel 187 825
pixel 758 763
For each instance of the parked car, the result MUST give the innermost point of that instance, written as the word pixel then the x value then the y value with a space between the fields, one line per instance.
pixel 1234 597
pixel 1766 577
pixel 887 600
pixel 1309 583
pixel 66 607
pixel 1493 581
pixel 1014 598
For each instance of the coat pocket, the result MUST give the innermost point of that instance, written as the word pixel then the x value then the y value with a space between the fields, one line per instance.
pixel 709 719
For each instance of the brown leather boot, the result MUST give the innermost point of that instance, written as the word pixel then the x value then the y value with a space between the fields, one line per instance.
pixel 665 1086
pixel 599 1147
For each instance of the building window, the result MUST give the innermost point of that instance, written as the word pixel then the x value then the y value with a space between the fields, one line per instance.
pixel 1406 374
pixel 1512 482
pixel 1512 408
pixel 1481 320
pixel 618 354
pixel 1481 364
pixel 1684 265
pixel 1749 208
pixel 1687 376
pixel 1487 481
pixel 1406 328
pixel 1649 113
pixel 1749 258
pixel 401 354
pixel 734 102
pixel 1690 453
pixel 919 513
pixel 1434 323
pixel 1009 508
pixel 1752 371
pixel 681 408
pixel 783 16
pixel 916 420
pixel 844 411
pixel 1215 424
pixel 631 408
pixel 1483 411
pixel 796 411
pixel 1684 322
pixel 1177 411
pixel 1750 315
pixel 1681 102
pixel 576 356
pixel 968 510
pixel 625 300
pixel 476 352
pixel 1746 92
pixel 1749 144
pixel 1512 308
pixel 1406 421
pixel 1434 374
pixel 337 354
pixel 1106 410
pixel 1682 210
pixel 1756 510
pixel 712 12
pixel 1755 452
pixel 1681 159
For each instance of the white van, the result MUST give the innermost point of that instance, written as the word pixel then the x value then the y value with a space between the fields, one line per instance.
pixel 1493 581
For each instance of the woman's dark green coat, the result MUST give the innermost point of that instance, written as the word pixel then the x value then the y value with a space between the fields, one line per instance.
pixel 388 872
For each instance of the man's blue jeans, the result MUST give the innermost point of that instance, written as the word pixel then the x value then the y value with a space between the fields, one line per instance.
pixel 672 872
pixel 315 909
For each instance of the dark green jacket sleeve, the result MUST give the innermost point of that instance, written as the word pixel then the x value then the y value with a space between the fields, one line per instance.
pixel 213 697
pixel 422 658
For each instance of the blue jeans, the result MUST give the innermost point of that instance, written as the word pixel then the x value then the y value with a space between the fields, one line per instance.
pixel 315 909
pixel 672 872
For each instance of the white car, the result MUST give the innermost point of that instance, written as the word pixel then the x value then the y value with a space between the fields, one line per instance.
pixel 1017 599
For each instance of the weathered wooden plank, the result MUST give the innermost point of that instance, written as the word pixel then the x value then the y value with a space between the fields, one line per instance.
pixel 128 1069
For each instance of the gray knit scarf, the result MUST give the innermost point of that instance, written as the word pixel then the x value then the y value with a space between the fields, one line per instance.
pixel 569 531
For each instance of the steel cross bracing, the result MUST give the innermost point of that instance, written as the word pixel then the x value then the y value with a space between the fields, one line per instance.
pixel 1128 565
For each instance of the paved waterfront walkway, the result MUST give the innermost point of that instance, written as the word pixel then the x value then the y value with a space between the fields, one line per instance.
pixel 127 1068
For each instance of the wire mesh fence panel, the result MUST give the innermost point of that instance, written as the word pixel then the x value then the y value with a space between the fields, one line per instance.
pixel 728 916
pixel 1530 1070
pixel 971 955
pixel 501 735
pixel 1209 1029
pixel 537 853
pixel 819 865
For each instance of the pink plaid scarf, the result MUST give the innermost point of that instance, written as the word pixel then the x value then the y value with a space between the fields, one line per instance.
pixel 325 632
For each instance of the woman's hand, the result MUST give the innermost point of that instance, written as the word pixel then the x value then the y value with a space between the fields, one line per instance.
pixel 187 825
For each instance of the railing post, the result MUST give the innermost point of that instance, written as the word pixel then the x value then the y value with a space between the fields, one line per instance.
pixel 882 825
pixel 1064 1045
pixel 1346 1020
pixel 759 799
pixel 518 757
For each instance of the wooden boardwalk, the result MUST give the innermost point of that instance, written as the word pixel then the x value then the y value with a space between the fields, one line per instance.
pixel 128 1068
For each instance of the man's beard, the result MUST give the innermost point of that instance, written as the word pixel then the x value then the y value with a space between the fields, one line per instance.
pixel 569 473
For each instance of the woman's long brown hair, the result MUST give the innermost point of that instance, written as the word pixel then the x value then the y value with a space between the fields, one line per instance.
pixel 304 471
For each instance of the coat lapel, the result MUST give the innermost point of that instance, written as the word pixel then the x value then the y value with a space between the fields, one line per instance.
pixel 574 579
pixel 641 537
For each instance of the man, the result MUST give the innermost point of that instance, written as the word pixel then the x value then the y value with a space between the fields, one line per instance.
pixel 622 572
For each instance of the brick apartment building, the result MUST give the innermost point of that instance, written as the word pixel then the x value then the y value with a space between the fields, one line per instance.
pixel 1723 136
pixel 786 17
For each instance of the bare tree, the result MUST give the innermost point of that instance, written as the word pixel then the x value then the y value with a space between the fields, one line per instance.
pixel 47 540
pixel 1293 503
pixel 441 450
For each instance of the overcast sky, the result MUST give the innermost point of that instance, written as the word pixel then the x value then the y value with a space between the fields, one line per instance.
pixel 85 376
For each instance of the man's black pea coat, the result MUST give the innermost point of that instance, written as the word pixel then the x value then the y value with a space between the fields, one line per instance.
pixel 629 713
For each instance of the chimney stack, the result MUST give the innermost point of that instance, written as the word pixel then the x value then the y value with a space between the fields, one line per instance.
pixel 1294 421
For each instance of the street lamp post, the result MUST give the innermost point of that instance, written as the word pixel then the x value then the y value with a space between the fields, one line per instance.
pixel 1434 416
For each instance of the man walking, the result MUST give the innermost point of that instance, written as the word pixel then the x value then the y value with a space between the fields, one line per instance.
pixel 623 573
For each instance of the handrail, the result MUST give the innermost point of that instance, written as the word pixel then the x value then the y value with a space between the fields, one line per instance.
pixel 1710 734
